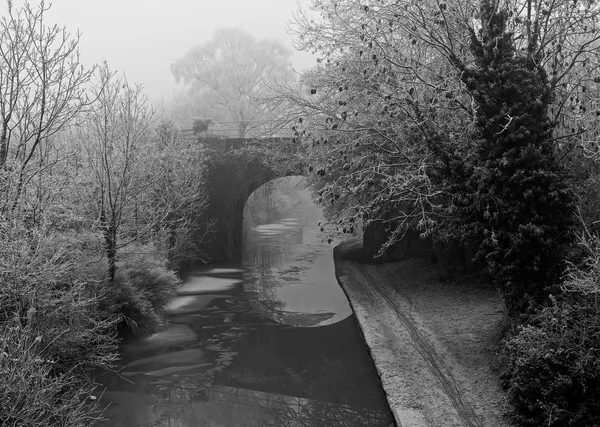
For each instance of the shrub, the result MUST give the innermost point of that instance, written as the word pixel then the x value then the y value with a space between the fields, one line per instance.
pixel 139 294
pixel 38 285
pixel 553 362
pixel 52 333
pixel 31 395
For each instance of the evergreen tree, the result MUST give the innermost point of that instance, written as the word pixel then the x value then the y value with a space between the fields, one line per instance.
pixel 511 197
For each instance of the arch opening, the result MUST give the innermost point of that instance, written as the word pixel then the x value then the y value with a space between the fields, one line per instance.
pixel 290 262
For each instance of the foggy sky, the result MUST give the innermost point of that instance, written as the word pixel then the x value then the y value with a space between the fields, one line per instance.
pixel 142 38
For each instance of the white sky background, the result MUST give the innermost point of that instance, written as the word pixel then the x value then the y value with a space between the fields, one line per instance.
pixel 142 38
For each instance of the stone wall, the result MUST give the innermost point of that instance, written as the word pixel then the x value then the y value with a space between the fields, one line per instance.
pixel 229 188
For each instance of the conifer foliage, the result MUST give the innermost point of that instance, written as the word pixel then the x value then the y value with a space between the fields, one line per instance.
pixel 515 198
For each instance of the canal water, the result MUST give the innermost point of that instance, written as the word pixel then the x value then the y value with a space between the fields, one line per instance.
pixel 271 342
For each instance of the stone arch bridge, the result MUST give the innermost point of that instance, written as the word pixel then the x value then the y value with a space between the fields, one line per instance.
pixel 237 167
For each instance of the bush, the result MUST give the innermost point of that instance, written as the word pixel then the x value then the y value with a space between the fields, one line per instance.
pixel 139 294
pixel 57 324
pixel 31 395
pixel 52 334
pixel 553 362
pixel 39 286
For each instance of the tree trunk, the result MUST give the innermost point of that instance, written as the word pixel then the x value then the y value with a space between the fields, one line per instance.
pixel 110 243
pixel 110 238
pixel 3 150
pixel 172 256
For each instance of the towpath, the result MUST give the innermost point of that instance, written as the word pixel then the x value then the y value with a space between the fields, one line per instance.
pixel 429 379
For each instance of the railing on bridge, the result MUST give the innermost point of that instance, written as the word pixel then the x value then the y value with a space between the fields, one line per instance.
pixel 229 144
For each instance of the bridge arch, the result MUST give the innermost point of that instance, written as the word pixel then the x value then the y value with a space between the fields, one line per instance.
pixel 236 169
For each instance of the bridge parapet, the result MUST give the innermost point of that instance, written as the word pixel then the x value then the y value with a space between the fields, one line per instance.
pixel 222 144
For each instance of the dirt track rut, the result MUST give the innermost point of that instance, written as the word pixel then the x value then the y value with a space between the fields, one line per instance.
pixel 435 363
pixel 379 298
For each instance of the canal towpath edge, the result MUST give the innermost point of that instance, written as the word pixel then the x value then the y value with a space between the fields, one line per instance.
pixel 424 384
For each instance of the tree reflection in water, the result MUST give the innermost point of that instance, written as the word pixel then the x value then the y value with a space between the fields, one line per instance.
pixel 321 414
pixel 255 345
pixel 235 407
pixel 360 405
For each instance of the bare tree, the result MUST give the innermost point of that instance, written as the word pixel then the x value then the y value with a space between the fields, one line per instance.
pixel 177 170
pixel 112 136
pixel 42 88
pixel 359 118
pixel 560 36
pixel 232 78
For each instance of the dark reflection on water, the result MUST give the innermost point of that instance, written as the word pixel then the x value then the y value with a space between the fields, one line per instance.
pixel 269 343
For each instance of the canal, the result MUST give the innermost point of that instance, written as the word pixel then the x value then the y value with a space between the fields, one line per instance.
pixel 271 342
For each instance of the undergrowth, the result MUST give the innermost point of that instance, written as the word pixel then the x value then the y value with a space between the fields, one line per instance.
pixel 52 332
pixel 139 295
pixel 552 369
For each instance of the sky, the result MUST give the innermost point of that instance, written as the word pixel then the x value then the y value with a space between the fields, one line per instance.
pixel 142 38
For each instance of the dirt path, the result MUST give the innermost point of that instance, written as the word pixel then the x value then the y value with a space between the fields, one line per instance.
pixel 433 344
pixel 436 364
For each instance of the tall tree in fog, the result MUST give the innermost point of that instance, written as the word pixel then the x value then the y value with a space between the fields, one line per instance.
pixel 233 77
pixel 41 90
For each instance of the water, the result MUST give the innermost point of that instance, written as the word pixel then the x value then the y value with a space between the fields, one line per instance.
pixel 272 342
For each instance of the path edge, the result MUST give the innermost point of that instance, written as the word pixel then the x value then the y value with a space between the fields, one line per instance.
pixel 339 251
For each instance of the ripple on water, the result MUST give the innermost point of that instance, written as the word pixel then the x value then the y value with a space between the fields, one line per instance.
pixel 272 227
pixel 171 370
pixel 192 318
pixel 268 233
pixel 125 409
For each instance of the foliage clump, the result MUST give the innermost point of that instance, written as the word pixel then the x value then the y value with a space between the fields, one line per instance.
pixel 53 332
pixel 589 202
pixel 510 198
pixel 139 295
pixel 552 370
pixel 42 287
